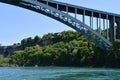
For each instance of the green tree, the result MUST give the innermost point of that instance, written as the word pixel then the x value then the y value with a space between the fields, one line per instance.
pixel 117 45
pixel 37 39
pixel 24 41
pixel 18 58
pixel 68 48
pixel 4 62
pixel 68 35
pixel 48 36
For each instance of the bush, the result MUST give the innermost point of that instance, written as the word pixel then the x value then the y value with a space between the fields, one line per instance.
pixel 4 62
pixel 117 44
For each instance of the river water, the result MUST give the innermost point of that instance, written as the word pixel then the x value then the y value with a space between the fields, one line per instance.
pixel 58 73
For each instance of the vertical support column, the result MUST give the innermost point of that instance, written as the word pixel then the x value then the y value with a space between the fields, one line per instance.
pixel 57 7
pixel 114 28
pixel 104 24
pixel 75 15
pixel 118 28
pixel 91 20
pixel 111 31
pixel 47 2
pixel 107 27
pixel 99 23
pixel 84 16
pixel 104 28
pixel 67 10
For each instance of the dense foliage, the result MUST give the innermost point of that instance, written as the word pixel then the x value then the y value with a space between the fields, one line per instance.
pixel 67 48
pixel 113 56
pixel 4 61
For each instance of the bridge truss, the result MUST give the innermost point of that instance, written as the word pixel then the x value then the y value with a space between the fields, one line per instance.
pixel 70 15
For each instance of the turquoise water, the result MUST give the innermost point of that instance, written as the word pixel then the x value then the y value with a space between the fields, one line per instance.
pixel 58 73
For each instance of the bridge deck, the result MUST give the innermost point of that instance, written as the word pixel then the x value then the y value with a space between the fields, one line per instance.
pixel 80 10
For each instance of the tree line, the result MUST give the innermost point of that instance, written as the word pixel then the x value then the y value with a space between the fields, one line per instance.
pixel 67 48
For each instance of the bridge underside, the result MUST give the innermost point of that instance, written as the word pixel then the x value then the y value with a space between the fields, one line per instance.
pixel 103 35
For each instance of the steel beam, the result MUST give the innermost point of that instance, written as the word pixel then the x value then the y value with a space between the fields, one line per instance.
pixel 92 20
pixel 75 15
pixel 84 16
pixel 67 10
pixel 107 27
pixel 111 32
pixel 104 26
pixel 118 28
pixel 57 7
pixel 99 23
pixel 114 27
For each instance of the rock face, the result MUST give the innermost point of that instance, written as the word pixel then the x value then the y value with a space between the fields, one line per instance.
pixel 9 50
pixel 1 50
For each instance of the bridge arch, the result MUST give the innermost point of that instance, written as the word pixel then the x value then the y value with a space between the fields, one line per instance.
pixel 65 18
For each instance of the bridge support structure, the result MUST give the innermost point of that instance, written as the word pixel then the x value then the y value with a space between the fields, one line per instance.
pixel 102 33
pixel 114 30
pixel 118 28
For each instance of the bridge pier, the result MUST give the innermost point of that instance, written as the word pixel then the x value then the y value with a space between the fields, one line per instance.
pixel 118 28
pixel 114 32
pixel 111 31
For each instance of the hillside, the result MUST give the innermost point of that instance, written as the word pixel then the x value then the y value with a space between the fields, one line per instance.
pixel 67 48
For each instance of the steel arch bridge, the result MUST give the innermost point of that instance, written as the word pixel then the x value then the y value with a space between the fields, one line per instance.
pixel 105 21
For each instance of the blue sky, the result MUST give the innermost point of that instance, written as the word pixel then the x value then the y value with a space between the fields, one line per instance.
pixel 17 23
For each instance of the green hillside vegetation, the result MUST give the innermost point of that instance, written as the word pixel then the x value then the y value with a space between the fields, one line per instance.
pixel 67 48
